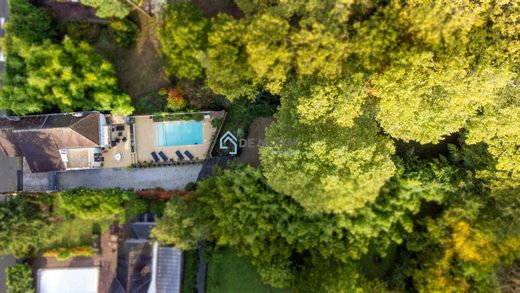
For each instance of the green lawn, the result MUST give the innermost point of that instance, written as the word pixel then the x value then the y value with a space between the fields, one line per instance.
pixel 76 232
pixel 189 280
pixel 227 272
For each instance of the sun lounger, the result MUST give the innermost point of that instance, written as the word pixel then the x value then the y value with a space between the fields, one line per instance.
pixel 155 157
pixel 189 155
pixel 163 156
pixel 179 155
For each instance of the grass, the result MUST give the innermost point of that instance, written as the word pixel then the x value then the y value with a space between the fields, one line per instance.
pixel 189 280
pixel 76 232
pixel 227 272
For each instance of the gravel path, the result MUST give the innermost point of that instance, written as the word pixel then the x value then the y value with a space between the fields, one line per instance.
pixel 174 177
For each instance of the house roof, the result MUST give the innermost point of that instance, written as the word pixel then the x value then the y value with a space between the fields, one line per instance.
pixel 145 268
pixel 39 138
pixel 168 270
pixel 84 280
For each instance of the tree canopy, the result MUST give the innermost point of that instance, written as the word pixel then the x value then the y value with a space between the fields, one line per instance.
pixel 45 74
pixel 236 208
pixel 23 228
pixel 183 40
pixel 110 8
pixel 92 204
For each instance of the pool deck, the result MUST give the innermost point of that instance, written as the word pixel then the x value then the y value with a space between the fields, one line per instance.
pixel 122 148
pixel 145 139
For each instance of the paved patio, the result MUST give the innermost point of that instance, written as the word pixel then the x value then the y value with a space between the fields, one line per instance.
pixel 146 141
pixel 172 177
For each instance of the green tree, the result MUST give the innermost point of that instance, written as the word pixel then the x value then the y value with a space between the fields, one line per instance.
pixel 24 228
pixel 433 83
pixel 228 72
pixel 498 127
pixel 19 279
pixel 188 230
pixel 27 22
pixel 268 52
pixel 69 76
pixel 183 38
pixel 100 204
pixel 110 8
pixel 327 168
pixel 236 208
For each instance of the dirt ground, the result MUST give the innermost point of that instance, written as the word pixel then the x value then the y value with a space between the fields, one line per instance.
pixel 141 71
pixel 250 154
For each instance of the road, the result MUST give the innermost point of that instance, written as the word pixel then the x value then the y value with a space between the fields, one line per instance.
pixel 174 177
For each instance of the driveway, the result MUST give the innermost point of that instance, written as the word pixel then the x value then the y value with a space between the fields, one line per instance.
pixel 174 177
pixel 9 168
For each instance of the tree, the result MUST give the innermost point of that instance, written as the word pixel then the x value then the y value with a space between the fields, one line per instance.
pixel 236 208
pixel 267 48
pixel 19 279
pixel 498 127
pixel 24 228
pixel 187 231
pixel 100 204
pixel 329 168
pixel 228 72
pixel 42 75
pixel 27 22
pixel 110 8
pixel 69 76
pixel 183 38
pixel 433 83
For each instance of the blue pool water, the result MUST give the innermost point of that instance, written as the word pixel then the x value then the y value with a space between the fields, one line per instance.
pixel 177 133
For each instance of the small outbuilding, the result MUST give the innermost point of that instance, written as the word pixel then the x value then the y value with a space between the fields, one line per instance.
pixel 60 280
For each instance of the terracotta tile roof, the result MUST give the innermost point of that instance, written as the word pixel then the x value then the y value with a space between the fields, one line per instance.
pixel 88 127
pixel 39 138
pixel 8 144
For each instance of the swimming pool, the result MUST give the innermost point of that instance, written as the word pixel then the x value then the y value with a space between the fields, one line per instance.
pixel 177 133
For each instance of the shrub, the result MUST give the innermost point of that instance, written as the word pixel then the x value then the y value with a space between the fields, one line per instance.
pixel 19 279
pixel 151 103
pixel 97 204
pixel 216 122
pixel 66 253
pixel 124 32
pixel 173 117
pixel 199 96
pixel 175 100
pixel 82 31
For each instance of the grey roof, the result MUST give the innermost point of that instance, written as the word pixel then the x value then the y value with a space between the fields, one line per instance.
pixel 141 230
pixel 169 270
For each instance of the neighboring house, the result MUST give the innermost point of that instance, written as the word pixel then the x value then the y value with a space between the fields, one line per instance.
pixel 145 266
pixel 56 142
pixel 69 279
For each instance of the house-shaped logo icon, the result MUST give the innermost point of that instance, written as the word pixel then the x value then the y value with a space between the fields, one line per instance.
pixel 229 137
